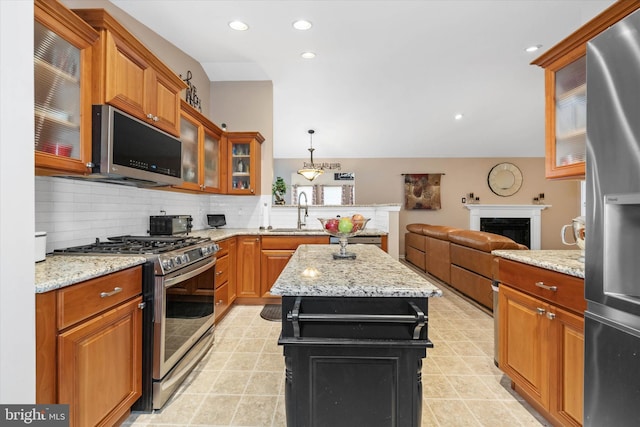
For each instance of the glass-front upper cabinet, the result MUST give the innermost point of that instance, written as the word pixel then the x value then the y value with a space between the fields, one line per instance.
pixel 565 72
pixel 190 137
pixel 203 168
pixel 62 84
pixel 571 113
pixel 244 162
pixel 213 160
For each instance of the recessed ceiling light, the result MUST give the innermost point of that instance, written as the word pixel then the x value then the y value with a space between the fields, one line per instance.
pixel 238 25
pixel 458 116
pixel 533 48
pixel 308 55
pixel 302 24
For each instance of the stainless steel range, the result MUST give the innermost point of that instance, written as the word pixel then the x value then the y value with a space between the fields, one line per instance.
pixel 181 292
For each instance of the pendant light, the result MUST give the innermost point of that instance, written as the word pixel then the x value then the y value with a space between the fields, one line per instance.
pixel 311 172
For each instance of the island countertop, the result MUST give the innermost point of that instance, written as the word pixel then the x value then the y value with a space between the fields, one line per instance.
pixel 312 271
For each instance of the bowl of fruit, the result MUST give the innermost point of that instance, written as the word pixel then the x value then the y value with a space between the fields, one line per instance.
pixel 343 228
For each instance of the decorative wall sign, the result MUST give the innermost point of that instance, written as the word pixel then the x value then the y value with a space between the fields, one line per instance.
pixel 191 96
pixel 422 191
pixel 344 176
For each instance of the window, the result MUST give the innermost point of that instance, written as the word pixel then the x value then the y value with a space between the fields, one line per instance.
pixel 326 195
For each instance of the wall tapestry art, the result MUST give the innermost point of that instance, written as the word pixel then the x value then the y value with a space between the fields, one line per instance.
pixel 422 191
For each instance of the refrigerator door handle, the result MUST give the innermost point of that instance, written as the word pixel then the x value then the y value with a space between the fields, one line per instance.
pixel 549 288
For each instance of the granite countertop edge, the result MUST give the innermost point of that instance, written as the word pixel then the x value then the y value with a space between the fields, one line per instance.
pixel 59 271
pixel 562 261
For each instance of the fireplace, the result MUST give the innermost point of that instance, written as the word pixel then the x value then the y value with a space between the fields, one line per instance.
pixel 530 212
pixel 517 229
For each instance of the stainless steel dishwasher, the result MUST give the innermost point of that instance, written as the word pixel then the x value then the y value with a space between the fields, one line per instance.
pixel 367 240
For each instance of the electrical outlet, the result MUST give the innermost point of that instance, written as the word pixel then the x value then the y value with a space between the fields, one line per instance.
pixel 464 200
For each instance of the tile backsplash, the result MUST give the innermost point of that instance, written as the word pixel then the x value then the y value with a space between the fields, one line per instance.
pixel 76 212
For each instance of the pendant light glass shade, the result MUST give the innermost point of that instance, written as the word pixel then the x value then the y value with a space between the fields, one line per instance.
pixel 311 172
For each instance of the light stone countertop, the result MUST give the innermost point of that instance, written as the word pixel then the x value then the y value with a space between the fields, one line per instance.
pixel 562 261
pixel 58 271
pixel 224 233
pixel 312 271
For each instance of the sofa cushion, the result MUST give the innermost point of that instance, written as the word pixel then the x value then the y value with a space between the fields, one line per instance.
pixel 473 285
pixel 482 240
pixel 472 259
pixel 417 241
pixel 416 228
pixel 438 259
pixel 438 231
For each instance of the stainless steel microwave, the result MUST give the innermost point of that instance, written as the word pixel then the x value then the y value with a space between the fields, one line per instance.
pixel 128 151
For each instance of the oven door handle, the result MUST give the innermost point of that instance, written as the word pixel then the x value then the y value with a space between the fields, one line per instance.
pixel 188 275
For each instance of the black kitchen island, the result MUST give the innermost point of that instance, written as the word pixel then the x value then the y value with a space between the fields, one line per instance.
pixel 354 333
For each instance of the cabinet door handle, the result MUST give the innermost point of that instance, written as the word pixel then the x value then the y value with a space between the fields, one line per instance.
pixel 149 116
pixel 549 288
pixel 155 118
pixel 142 305
pixel 551 316
pixel 219 302
pixel 113 292
pixel 541 311
pixel 218 273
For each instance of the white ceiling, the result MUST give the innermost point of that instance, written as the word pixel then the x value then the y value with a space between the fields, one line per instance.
pixel 389 75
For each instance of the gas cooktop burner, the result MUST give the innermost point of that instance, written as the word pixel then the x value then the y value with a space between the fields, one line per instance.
pixel 135 245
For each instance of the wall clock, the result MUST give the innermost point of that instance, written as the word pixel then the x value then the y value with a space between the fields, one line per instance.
pixel 505 179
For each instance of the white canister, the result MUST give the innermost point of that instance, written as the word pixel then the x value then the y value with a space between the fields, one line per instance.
pixel 41 245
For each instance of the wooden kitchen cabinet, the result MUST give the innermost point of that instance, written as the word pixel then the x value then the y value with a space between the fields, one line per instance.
pixel 89 347
pixel 275 254
pixel 244 162
pixel 204 154
pixel 566 91
pixel 541 338
pixel 130 77
pixel 248 267
pixel 62 55
pixel 225 277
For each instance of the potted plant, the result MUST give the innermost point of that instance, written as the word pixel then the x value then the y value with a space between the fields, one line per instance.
pixel 279 189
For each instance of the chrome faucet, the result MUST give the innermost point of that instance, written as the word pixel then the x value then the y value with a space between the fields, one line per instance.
pixel 302 222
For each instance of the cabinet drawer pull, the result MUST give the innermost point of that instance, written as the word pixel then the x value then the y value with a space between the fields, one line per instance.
pixel 219 302
pixel 549 288
pixel 218 273
pixel 541 311
pixel 113 292
pixel 551 316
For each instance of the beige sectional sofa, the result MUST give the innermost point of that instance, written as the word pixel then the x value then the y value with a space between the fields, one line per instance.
pixel 460 258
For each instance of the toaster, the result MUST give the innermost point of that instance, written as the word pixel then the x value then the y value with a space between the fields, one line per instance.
pixel 167 225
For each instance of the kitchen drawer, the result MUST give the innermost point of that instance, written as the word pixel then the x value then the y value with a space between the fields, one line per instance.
pixel 568 293
pixel 292 242
pixel 81 301
pixel 224 248
pixel 221 299
pixel 222 271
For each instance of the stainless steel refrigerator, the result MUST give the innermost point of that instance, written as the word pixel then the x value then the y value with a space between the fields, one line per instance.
pixel 612 267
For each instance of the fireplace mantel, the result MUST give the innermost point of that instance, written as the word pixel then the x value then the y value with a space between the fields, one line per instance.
pixel 510 211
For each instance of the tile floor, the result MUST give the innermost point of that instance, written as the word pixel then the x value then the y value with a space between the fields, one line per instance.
pixel 240 382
